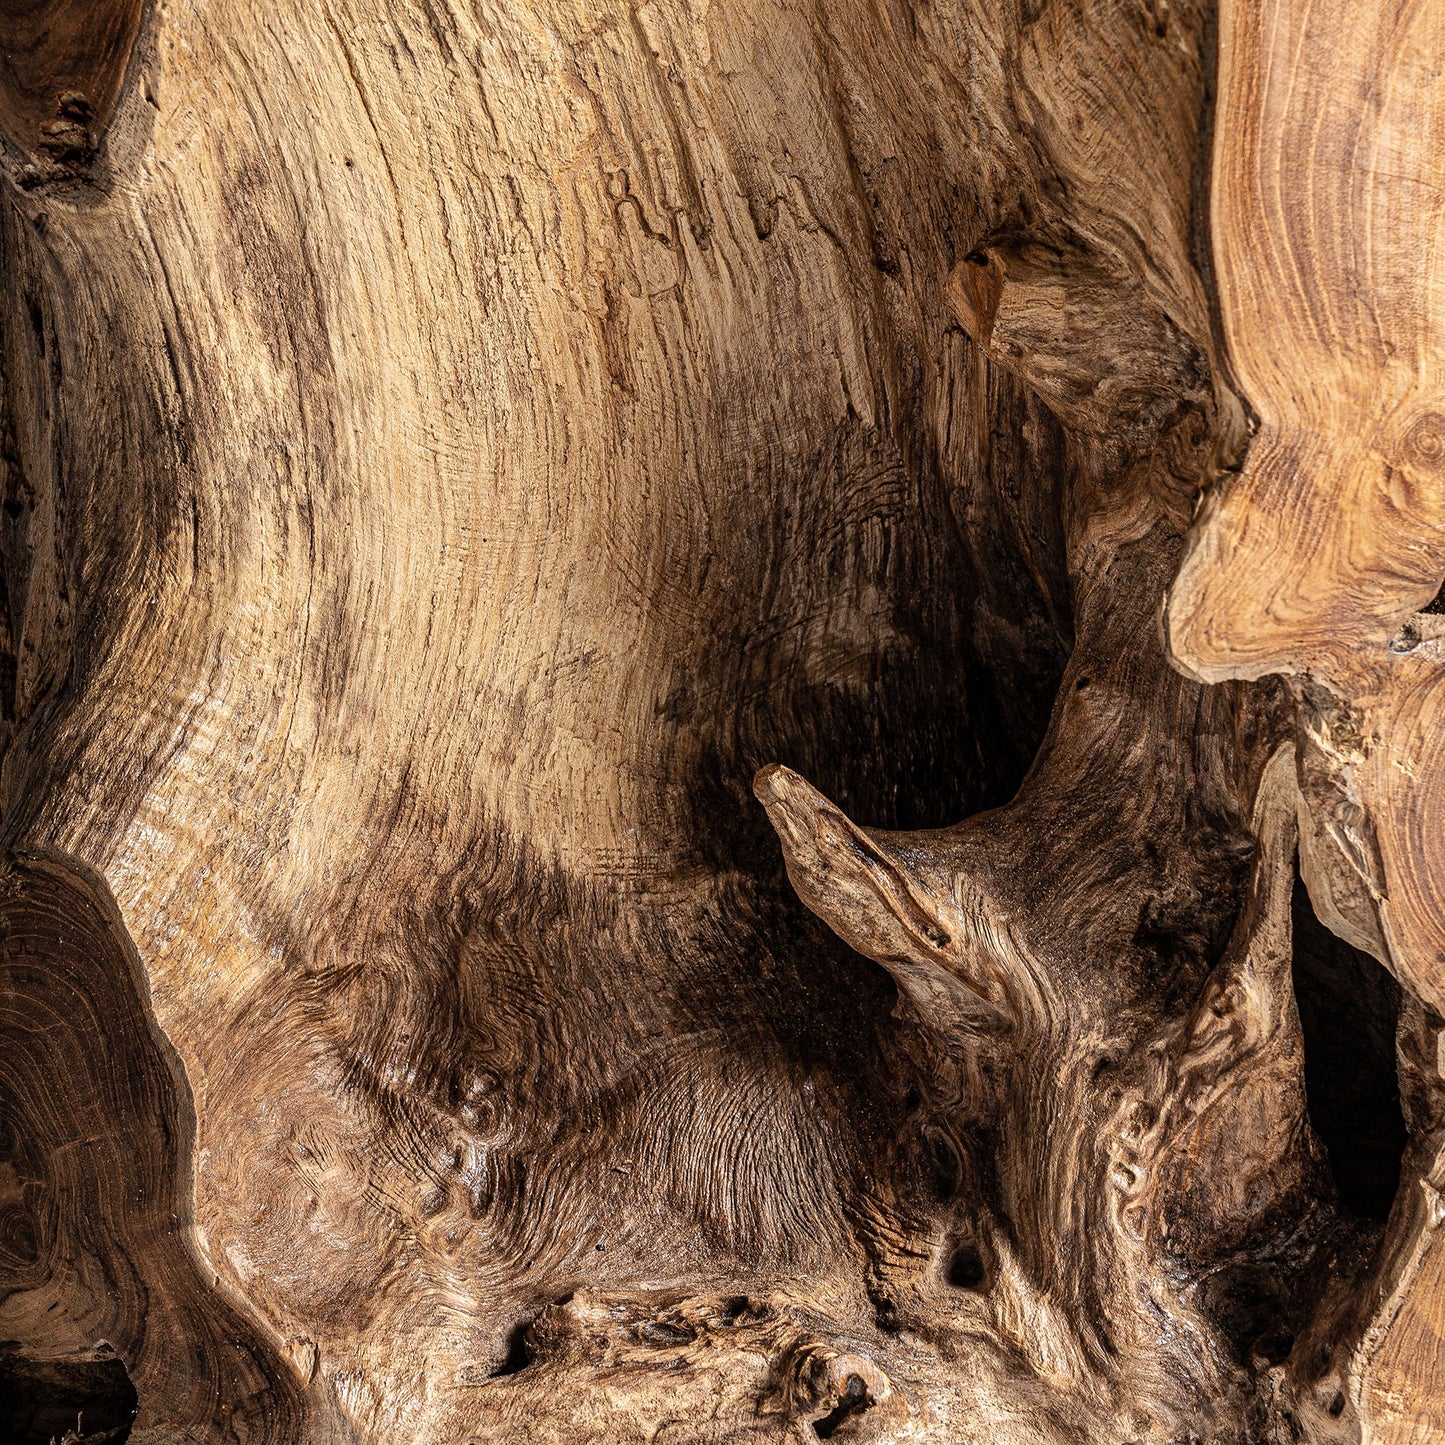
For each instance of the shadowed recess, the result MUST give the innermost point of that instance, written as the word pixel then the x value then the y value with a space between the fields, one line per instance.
pixel 89 1401
pixel 61 67
pixel 1348 1007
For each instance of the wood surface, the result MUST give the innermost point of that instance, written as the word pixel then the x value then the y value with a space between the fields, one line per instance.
pixel 459 460
pixel 1321 555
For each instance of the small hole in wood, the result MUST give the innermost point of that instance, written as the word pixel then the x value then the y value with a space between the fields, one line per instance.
pixel 965 1268
pixel 854 1401
pixel 1274 1349
pixel 519 1352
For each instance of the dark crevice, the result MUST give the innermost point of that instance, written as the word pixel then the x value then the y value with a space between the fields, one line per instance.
pixel 89 1401
pixel 853 1401
pixel 1349 1007
pixel 519 1351
pixel 966 1268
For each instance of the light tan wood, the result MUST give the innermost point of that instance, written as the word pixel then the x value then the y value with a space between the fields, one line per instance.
pixel 450 449
pixel 1328 211
pixel 1315 558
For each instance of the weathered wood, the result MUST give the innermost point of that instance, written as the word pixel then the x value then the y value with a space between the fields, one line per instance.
pixel 448 451
pixel 98 1259
pixel 1316 558
pixel 62 63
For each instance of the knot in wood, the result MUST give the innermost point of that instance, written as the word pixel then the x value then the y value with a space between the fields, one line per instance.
pixel 1424 443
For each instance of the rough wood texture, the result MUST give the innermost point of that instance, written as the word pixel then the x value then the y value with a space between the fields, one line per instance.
pixel 1322 556
pixel 449 450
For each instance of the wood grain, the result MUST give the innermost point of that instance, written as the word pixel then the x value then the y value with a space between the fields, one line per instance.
pixel 98 1258
pixel 62 63
pixel 1316 556
pixel 448 450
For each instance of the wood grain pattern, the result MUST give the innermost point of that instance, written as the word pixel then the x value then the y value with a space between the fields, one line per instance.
pixel 1316 557
pixel 62 64
pixel 97 1255
pixel 1328 203
pixel 449 449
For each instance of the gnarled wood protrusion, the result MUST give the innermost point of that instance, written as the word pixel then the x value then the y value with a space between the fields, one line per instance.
pixel 1208 1176
pixel 447 449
